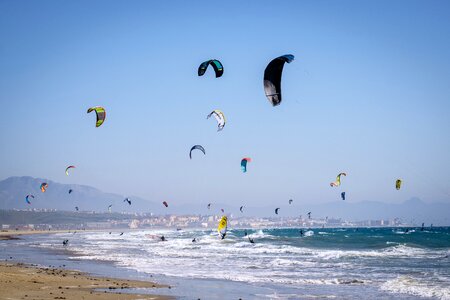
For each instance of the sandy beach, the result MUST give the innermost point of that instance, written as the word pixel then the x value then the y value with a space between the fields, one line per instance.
pixel 12 234
pixel 19 281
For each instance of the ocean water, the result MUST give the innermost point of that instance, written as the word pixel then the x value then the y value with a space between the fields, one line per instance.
pixel 369 263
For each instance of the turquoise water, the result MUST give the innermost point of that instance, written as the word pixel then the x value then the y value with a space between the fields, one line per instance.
pixel 369 263
pixel 358 238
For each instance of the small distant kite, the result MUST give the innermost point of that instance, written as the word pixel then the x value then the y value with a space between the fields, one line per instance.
pixel 290 201
pixel 241 208
pixel 222 210
pixel 343 195
pixel 338 180
pixel 220 118
pixel 101 114
pixel 76 208
pixel 198 147
pixel 309 215
pixel 276 210
pixel 110 206
pixel 398 184
pixel 127 200
pixel 44 187
pixel 244 162
pixel 67 169
pixel 217 65
pixel 165 204
pixel 70 191
pixel 209 205
pixel 27 198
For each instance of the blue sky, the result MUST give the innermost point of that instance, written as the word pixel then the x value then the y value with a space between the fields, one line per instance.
pixel 368 94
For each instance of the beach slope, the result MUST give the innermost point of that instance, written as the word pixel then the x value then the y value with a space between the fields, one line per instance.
pixel 18 281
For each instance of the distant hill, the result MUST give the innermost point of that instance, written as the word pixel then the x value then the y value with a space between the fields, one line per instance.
pixel 412 211
pixel 13 191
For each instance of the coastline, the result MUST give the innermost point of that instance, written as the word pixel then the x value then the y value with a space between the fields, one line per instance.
pixel 21 281
pixel 12 234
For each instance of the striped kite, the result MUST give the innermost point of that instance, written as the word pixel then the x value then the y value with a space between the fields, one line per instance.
pixel 67 169
pixel 101 114
pixel 338 180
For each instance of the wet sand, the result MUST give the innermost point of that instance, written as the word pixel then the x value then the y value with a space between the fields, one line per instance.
pixel 19 281
pixel 12 234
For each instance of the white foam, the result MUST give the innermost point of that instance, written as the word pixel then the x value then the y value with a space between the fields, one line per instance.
pixel 281 261
pixel 412 286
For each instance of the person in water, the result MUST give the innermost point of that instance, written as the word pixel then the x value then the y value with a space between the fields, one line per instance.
pixel 223 235
pixel 194 240
pixel 301 232
pixel 251 240
pixel 245 232
pixel 65 242
pixel 163 239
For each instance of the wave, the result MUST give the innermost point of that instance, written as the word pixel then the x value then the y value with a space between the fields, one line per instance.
pixel 412 286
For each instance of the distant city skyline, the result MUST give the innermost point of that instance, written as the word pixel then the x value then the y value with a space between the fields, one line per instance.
pixel 367 94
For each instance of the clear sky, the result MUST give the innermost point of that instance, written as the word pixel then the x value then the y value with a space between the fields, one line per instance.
pixel 368 94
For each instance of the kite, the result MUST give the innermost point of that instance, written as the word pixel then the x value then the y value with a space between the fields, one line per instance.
pixel 343 195
pixel 127 200
pixel 398 184
pixel 276 210
pixel 70 191
pixel 67 169
pixel 309 215
pixel 76 207
pixel 338 180
pixel 217 65
pixel 220 118
pixel 241 209
pixel 209 205
pixel 290 201
pixel 44 187
pixel 28 196
pixel 222 228
pixel 198 147
pixel 101 114
pixel 165 204
pixel 272 78
pixel 244 162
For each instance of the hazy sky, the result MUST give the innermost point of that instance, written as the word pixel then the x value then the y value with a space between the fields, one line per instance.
pixel 368 94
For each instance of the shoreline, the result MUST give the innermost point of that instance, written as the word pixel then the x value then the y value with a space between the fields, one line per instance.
pixel 13 234
pixel 24 281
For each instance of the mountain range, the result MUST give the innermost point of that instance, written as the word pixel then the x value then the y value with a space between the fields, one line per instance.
pixel 13 191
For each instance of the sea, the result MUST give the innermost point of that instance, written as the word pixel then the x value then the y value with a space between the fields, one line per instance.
pixel 282 263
